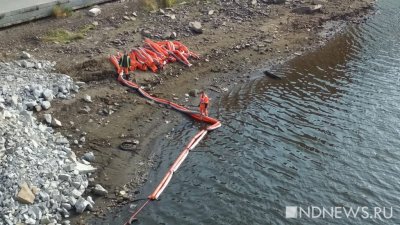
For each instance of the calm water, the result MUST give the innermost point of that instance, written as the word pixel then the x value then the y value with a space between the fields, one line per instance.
pixel 326 135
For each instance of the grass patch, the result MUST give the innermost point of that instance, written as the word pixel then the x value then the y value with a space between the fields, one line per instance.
pixel 167 3
pixel 148 5
pixel 59 11
pixel 62 36
pixel 151 5
pixel 65 36
pixel 83 30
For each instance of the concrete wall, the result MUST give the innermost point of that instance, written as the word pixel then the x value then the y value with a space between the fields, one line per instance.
pixel 19 11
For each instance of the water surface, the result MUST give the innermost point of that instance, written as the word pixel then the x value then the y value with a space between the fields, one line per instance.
pixel 326 135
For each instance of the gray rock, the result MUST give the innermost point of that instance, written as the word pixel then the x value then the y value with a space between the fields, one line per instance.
pixel 48 95
pixel 45 220
pixel 61 141
pixel 44 196
pixel 47 117
pixel 64 177
pixel 196 27
pixel 46 105
pixel 81 205
pixel 167 35
pixel 89 156
pixel 37 212
pixel 26 64
pixel 66 206
pixel 146 33
pixel 76 193
pixel 99 190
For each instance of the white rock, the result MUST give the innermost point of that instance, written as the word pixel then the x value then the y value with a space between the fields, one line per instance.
pixel 46 105
pixel 81 205
pixel 48 95
pixel 14 100
pixel 47 117
pixel 99 190
pixel 38 65
pixel 66 206
pixel 87 98
pixel 94 11
pixel 83 169
pixel 196 27
pixel 56 123
pixel 25 55
pixel 61 141
pixel 27 64
pixel 76 193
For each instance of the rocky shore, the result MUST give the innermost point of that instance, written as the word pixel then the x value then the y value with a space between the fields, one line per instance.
pixel 41 178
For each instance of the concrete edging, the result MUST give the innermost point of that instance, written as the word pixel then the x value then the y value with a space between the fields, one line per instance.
pixel 33 12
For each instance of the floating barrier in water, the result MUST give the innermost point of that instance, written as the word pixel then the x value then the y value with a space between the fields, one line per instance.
pixel 214 124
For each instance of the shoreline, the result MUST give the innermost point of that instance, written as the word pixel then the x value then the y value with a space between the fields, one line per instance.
pixel 127 171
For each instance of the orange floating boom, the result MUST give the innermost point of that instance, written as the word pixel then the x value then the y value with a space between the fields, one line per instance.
pixel 214 124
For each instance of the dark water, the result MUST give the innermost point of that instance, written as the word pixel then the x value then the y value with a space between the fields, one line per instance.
pixel 326 135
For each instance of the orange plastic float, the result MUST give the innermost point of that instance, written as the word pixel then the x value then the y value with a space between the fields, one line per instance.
pixel 161 54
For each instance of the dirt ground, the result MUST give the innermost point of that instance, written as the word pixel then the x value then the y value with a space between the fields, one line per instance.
pixel 238 37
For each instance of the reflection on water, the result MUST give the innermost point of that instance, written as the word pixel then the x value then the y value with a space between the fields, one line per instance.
pixel 326 135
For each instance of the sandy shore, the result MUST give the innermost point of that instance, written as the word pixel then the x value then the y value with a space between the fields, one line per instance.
pixel 237 38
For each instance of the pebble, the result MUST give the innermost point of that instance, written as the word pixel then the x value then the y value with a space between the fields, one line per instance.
pixel 89 156
pixel 196 27
pixel 87 98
